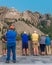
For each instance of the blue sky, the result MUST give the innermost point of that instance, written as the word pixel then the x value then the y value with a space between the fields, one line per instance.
pixel 42 6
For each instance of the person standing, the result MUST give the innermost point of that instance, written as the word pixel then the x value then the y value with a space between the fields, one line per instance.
pixel 48 45
pixel 51 46
pixel 42 44
pixel 25 44
pixel 4 47
pixel 35 39
pixel 11 44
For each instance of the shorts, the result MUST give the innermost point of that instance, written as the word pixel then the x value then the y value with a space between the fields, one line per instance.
pixel 42 47
pixel 24 45
pixel 35 44
pixel 4 46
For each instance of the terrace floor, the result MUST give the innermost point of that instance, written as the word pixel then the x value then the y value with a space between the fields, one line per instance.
pixel 29 60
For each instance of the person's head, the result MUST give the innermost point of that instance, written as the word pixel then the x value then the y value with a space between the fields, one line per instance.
pixel 43 35
pixel 35 31
pixel 24 32
pixel 47 35
pixel 12 27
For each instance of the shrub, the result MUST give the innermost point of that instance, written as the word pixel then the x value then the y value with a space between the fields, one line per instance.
pixel 18 38
pixel 1 38
pixel 29 36
pixel 15 20
pixel 0 29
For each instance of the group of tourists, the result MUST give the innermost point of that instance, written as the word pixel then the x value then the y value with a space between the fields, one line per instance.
pixel 40 44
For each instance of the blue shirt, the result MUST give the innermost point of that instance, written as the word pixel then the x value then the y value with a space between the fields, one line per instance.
pixel 11 37
pixel 48 41
pixel 24 38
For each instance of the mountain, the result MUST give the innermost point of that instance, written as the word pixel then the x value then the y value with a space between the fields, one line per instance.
pixel 1 26
pixel 22 26
pixel 28 15
pixel 13 13
pixel 27 20
pixel 3 11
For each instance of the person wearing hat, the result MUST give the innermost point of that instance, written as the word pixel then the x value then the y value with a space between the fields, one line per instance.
pixel 35 39
pixel 25 43
pixel 48 45
pixel 11 43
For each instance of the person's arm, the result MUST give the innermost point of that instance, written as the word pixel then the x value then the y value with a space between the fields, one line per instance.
pixel 6 35
pixel 3 40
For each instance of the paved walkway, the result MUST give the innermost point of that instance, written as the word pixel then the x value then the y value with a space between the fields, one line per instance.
pixel 29 60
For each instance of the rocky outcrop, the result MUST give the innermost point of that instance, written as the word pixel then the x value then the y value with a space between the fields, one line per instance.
pixel 21 26
pixel 29 18
pixel 12 13
pixel 3 11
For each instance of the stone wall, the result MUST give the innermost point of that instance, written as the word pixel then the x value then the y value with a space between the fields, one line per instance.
pixel 18 48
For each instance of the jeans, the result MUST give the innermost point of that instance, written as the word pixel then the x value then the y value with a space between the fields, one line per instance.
pixel 13 49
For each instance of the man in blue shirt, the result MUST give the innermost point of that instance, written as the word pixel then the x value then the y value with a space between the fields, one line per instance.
pixel 11 43
pixel 25 43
